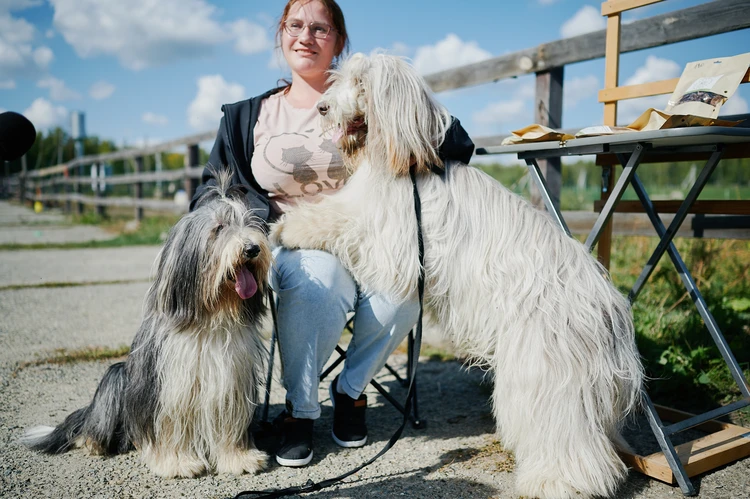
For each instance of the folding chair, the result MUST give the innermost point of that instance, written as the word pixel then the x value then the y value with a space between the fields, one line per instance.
pixel 416 421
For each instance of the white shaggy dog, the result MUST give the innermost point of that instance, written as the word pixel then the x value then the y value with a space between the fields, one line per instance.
pixel 185 396
pixel 509 287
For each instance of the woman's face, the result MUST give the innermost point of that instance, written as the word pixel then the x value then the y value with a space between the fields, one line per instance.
pixel 305 54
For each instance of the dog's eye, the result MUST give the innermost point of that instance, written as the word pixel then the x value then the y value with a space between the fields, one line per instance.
pixel 219 229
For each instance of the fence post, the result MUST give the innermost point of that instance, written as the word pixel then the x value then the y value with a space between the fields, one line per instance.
pixel 99 188
pixel 548 112
pixel 138 189
pixel 22 181
pixel 69 189
pixel 191 159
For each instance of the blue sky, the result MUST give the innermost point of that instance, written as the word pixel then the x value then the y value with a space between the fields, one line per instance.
pixel 154 70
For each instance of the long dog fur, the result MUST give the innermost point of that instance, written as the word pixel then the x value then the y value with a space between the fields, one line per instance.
pixel 507 285
pixel 185 396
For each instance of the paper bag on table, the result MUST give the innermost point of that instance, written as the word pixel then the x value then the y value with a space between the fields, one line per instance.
pixel 653 119
pixel 702 89
pixel 534 133
pixel 705 86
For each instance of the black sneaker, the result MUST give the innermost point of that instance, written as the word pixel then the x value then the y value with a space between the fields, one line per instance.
pixel 296 440
pixel 349 427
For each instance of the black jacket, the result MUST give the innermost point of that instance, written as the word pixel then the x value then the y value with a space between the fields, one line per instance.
pixel 234 146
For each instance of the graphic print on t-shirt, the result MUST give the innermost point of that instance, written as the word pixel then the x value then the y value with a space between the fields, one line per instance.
pixel 295 161
pixel 301 171
pixel 336 168
pixel 294 158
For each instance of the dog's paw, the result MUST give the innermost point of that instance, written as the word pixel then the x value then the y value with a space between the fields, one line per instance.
pixel 181 466
pixel 239 461
pixel 277 229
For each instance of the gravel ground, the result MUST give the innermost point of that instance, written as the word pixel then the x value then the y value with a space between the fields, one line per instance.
pixel 456 455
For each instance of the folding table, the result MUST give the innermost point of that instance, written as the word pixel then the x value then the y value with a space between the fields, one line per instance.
pixel 630 148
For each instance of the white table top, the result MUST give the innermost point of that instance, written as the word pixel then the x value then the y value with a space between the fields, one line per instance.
pixel 673 137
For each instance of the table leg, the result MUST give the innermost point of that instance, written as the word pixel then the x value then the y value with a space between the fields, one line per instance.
pixel 536 175
pixel 667 447
pixel 692 289
pixel 614 197
pixel 682 212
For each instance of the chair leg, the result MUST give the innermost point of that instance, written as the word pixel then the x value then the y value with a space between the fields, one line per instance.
pixel 272 352
pixel 416 421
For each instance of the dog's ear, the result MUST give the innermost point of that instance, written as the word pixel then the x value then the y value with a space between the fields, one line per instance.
pixel 177 287
pixel 405 123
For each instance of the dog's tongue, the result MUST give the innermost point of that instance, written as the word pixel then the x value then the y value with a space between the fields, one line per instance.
pixel 337 134
pixel 245 285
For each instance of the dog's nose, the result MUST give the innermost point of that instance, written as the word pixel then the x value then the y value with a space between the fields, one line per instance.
pixel 322 108
pixel 251 251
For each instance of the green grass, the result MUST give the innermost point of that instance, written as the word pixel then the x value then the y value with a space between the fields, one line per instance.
pixel 685 366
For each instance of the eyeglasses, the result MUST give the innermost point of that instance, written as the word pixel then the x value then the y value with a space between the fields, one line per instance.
pixel 295 27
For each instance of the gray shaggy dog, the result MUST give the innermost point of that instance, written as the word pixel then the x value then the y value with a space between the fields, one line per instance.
pixel 185 395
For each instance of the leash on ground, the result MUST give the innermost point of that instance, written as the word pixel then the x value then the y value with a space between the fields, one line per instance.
pixel 311 486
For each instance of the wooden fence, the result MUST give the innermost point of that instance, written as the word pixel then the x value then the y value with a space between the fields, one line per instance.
pixel 62 183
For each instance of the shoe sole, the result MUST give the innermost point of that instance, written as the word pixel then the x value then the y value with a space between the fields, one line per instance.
pixel 348 443
pixel 344 443
pixel 294 463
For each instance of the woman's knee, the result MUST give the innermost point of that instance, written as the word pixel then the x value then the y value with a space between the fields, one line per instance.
pixel 316 275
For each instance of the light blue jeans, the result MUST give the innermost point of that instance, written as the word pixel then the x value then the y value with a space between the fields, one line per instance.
pixel 315 294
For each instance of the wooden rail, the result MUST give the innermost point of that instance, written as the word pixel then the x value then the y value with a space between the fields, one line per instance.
pixel 63 183
pixel 712 18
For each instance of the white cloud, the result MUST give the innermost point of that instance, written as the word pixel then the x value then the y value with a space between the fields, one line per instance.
pixel 500 113
pixel 515 110
pixel 43 114
pixel 578 89
pixel 449 52
pixel 57 89
pixel 735 105
pixel 15 30
pixel 204 112
pixel 250 38
pixel 629 110
pixel 586 20
pixel 18 57
pixel 50 33
pixel 43 56
pixel 654 69
pixel 101 89
pixel 154 119
pixel 7 84
pixel 140 33
pixel 397 48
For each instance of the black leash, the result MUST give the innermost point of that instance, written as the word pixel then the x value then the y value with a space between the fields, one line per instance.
pixel 314 487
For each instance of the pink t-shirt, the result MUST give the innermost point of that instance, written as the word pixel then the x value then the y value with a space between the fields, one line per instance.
pixel 293 158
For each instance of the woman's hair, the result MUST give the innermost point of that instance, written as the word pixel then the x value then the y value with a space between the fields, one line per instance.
pixel 337 17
